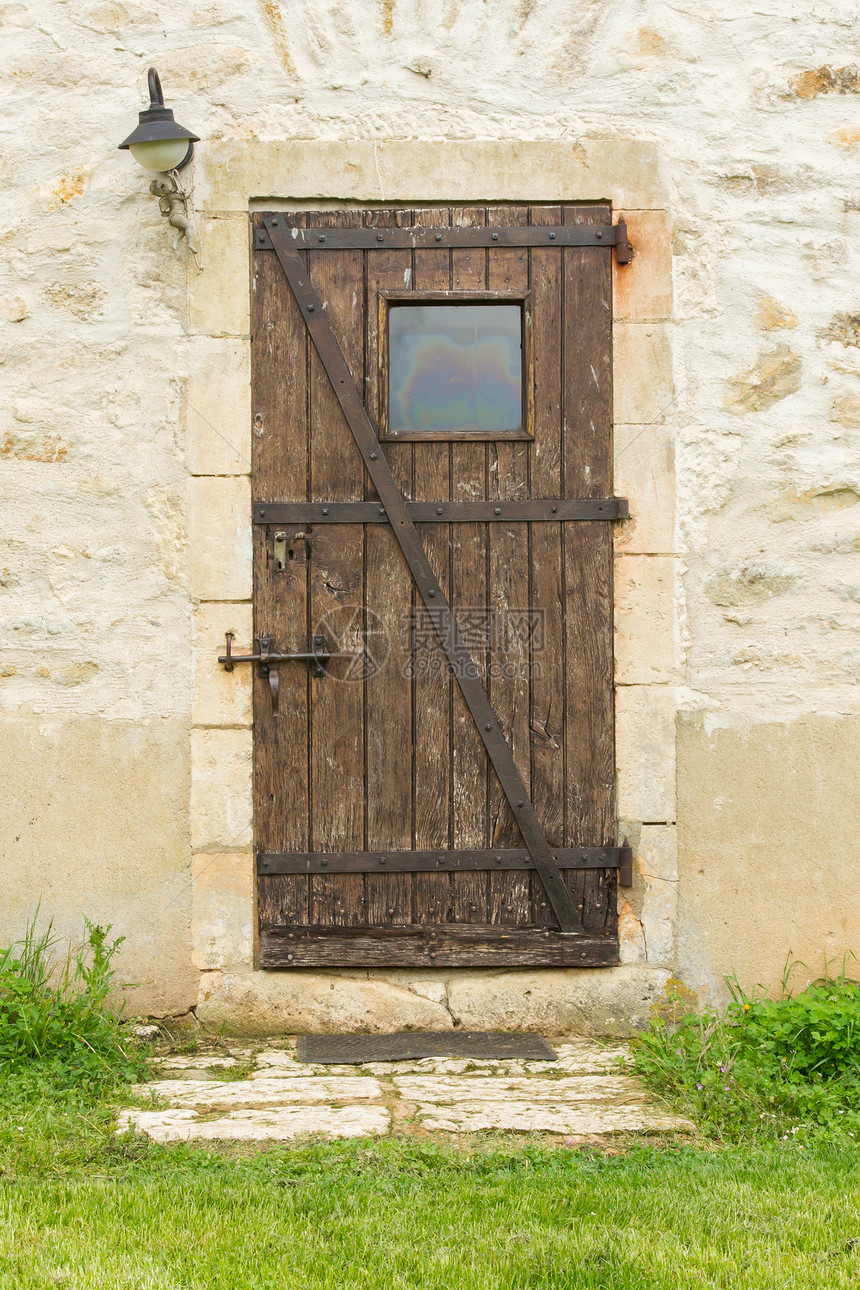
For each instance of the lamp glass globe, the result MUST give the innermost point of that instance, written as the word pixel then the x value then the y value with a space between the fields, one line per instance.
pixel 160 154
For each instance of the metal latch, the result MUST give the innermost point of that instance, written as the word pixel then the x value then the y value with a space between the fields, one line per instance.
pixel 318 657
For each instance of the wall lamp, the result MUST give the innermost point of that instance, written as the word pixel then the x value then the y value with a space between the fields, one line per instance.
pixel 160 144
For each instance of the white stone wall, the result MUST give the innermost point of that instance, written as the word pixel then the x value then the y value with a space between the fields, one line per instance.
pixel 752 390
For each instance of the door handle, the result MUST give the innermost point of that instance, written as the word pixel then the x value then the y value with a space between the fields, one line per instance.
pixel 317 657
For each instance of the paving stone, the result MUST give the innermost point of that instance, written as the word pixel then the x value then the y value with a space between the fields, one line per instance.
pixel 546 1117
pixel 249 1093
pixel 443 1090
pixel 260 1125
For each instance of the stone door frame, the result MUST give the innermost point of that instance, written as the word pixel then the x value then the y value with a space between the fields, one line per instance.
pixel 234 178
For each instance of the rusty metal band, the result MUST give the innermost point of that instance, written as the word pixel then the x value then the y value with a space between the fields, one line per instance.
pixel 443 621
pixel 386 239
pixel 540 510
pixel 269 862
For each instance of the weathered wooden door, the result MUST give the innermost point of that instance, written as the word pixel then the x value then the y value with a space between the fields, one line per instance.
pixel 432 488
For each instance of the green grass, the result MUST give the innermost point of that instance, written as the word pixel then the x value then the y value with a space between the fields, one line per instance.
pixel 83 1209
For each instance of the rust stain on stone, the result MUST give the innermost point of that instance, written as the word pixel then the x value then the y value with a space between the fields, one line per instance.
pixel 772 377
pixel 826 80
pixel 844 328
pixel 70 187
pixel 387 16
pixel 275 23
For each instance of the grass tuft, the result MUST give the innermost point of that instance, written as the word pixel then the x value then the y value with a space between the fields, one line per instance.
pixel 57 1021
pixel 764 1068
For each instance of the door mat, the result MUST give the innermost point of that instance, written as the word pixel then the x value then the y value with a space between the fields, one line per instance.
pixel 348 1050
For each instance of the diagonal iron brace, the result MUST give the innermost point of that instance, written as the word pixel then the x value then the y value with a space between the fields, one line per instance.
pixel 438 609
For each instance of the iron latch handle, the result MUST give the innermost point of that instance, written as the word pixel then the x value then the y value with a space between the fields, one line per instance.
pixel 318 656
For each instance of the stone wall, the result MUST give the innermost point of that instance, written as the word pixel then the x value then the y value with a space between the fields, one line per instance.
pixel 125 427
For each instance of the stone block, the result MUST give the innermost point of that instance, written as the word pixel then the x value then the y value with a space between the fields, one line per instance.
pixel 645 475
pixel 221 698
pixel 644 619
pixel 628 171
pixel 645 752
pixel 218 407
pixel 642 290
pixel 221 810
pixel 642 372
pixel 657 863
pixel 277 1003
pixel 219 536
pixel 94 823
pixel 222 910
pixel 219 297
pixel 582 1001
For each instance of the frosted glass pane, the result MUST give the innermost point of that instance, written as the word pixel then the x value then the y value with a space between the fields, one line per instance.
pixel 455 368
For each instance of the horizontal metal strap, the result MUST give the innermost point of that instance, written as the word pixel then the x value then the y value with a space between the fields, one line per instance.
pixel 269 862
pixel 379 239
pixel 552 510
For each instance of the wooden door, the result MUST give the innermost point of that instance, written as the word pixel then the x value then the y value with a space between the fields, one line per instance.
pixel 440 791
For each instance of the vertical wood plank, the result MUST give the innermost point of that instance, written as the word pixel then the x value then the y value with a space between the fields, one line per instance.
pixel 547 581
pixel 388 592
pixel 431 271
pixel 280 466
pixel 337 589
pixel 587 455
pixel 469 891
pixel 508 478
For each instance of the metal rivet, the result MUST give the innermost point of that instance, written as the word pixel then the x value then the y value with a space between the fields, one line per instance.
pixel 473 907
pixel 323 863
pixel 553 509
pixel 391 913
pixel 582 955
pixel 432 936
pixel 431 593
pixel 382 510
pixel 310 309
pixel 497 510
pixel 373 456
pixel 552 237
pixel 498 859
pixel 322 237
pixel 289 958
pixel 325 510
pixel 495 237
pixel 520 803
pixel 380 237
pixel 291 936
pixel 382 859
pixel 432 954
pixel 438 237
pixel 599 237
pixel 274 221
pixel 438 510
pixel 488 727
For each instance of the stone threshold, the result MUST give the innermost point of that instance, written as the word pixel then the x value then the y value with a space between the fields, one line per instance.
pixel 587 1094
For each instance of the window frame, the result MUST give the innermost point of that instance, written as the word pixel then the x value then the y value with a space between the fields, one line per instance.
pixel 523 298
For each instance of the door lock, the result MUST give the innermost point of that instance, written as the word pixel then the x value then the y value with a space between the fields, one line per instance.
pixel 318 657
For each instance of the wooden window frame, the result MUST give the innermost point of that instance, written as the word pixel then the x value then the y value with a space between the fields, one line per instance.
pixel 386 299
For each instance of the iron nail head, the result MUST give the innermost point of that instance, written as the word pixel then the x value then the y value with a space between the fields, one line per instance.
pixel 438 510
pixel 497 510
pixel 438 237
pixel 380 237
pixel 373 456
pixel 325 510
pixel 495 237
pixel 552 237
